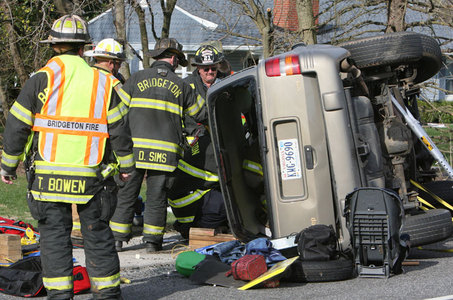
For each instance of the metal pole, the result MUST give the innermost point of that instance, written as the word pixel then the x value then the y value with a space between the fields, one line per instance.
pixel 423 137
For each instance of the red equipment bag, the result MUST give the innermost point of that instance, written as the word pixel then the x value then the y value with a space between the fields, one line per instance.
pixel 15 227
pixel 81 280
pixel 248 267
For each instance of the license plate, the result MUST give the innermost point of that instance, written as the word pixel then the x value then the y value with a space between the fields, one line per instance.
pixel 289 159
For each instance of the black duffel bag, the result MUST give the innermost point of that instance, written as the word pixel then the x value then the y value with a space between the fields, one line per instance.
pixel 23 278
pixel 317 243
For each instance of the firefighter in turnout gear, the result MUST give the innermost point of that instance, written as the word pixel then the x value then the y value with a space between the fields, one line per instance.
pixel 68 122
pixel 158 100
pixel 196 200
pixel 108 55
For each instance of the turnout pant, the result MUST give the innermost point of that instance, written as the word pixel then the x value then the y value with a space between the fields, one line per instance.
pixel 121 223
pixel 102 263
pixel 155 215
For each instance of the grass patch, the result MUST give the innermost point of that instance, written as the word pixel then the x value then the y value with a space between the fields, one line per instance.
pixel 13 204
pixel 442 137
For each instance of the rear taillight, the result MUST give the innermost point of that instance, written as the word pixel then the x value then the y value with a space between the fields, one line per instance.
pixel 272 66
pixel 291 66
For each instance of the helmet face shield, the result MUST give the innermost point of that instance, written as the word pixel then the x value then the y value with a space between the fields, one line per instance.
pixel 68 29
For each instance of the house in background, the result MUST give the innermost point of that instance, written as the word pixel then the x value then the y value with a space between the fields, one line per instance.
pixel 445 77
pixel 192 26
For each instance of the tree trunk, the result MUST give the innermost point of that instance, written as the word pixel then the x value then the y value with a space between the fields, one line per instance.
pixel 167 9
pixel 263 20
pixel 4 104
pixel 15 53
pixel 120 26
pixel 143 34
pixel 64 7
pixel 396 13
pixel 151 13
pixel 306 20
pixel 267 35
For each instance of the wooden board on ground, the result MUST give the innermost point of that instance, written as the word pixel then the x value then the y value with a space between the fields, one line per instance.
pixel 76 233
pixel 10 248
pixel 201 237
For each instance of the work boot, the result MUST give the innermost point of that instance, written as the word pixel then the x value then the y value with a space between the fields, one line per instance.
pixel 119 246
pixel 152 247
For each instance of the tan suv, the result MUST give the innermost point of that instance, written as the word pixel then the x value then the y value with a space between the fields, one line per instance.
pixel 299 131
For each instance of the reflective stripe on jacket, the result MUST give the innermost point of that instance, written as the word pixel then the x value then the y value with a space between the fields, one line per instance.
pixel 185 208
pixel 252 166
pixel 196 172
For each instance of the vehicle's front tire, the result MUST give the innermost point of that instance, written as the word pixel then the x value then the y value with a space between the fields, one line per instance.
pixel 399 48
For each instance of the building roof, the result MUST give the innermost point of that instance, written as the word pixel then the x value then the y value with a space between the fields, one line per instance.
pixel 191 24
pixel 194 23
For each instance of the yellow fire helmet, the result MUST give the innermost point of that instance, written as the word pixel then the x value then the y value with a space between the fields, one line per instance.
pixel 68 29
pixel 107 48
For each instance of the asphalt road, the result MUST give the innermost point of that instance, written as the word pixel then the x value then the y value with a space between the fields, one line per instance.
pixel 154 277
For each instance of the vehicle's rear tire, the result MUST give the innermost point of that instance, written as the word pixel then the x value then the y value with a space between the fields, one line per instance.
pixel 321 271
pixel 393 49
pixel 428 227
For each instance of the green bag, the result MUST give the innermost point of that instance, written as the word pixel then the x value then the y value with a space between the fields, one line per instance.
pixel 186 262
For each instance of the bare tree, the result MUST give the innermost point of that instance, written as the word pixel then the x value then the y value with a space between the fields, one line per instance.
pixel 262 18
pixel 347 20
pixel 257 13
pixel 167 9
pixel 64 7
pixel 307 26
pixel 151 13
pixel 120 26
pixel 24 24
pixel 272 39
pixel 337 21
pixel 4 102
pixel 434 17
pixel 20 31
pixel 15 53
pixel 396 13
pixel 143 32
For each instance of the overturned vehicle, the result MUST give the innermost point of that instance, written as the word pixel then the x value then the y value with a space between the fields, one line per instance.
pixel 298 134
